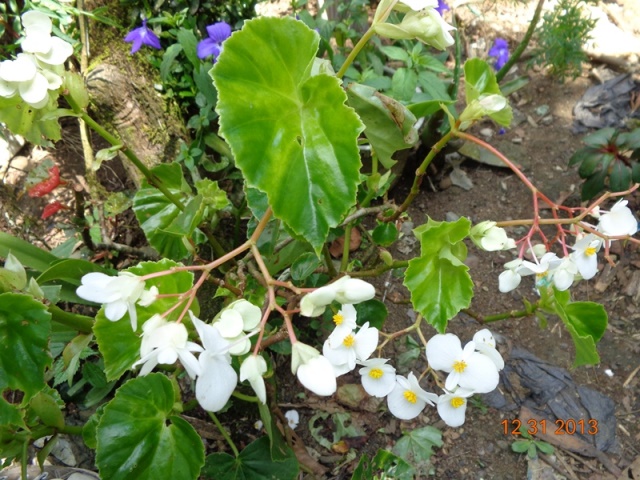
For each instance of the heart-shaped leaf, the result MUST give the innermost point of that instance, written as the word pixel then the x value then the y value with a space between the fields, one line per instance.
pixel 139 437
pixel 291 134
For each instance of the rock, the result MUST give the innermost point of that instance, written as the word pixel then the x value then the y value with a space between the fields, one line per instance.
pixel 487 132
pixel 542 110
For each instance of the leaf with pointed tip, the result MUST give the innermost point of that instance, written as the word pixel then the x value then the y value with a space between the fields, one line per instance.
pixel 438 279
pixel 291 134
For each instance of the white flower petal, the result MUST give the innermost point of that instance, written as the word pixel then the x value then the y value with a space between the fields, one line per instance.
pixel 34 21
pixel 229 324
pixel 508 280
pixel 378 378
pixel 293 418
pixel 443 351
pixel 480 374
pixel 212 341
pixel 318 376
pixel 252 369
pixel 114 311
pixel 404 403
pixel 250 313
pixel 451 409
pixel 216 382
pixel 57 54
pixel 366 341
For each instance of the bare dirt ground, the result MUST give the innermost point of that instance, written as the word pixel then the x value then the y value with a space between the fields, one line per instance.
pixel 542 145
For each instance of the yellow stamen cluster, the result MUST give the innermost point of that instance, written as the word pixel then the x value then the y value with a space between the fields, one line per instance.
pixel 410 396
pixel 376 373
pixel 459 366
pixel 457 402
pixel 338 319
pixel 589 251
pixel 348 341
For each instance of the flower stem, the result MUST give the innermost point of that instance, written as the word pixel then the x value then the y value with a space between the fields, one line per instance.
pixel 246 398
pixel 225 434
pixel 78 322
pixel 420 172
pixel 356 50
pixel 375 272
pixel 116 142
pixel 523 44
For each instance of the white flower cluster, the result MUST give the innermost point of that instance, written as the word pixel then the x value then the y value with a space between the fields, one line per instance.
pixel 165 342
pixel 38 69
pixel 582 263
pixel 472 370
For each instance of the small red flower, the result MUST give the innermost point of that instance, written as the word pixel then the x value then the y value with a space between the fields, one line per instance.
pixel 48 185
pixel 52 209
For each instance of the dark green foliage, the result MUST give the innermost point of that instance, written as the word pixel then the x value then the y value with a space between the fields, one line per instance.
pixel 609 161
pixel 562 35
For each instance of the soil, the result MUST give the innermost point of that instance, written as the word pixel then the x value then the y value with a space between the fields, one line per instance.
pixel 542 146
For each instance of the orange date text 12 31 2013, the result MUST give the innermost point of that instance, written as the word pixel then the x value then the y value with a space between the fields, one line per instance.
pixel 534 426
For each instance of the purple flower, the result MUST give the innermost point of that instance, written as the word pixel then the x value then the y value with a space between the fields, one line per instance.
pixel 500 51
pixel 218 33
pixel 142 36
pixel 442 7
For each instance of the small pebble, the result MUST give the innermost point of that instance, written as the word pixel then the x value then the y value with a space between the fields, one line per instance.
pixel 517 140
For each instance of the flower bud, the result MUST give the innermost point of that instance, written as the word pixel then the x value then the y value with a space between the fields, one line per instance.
pixel 426 25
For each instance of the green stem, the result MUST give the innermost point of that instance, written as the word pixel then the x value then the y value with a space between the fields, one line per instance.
pixel 116 142
pixel 420 172
pixel 71 429
pixel 78 322
pixel 246 398
pixel 380 270
pixel 345 248
pixel 328 261
pixel 523 44
pixel 356 50
pixel 502 316
pixel 24 459
pixel 225 434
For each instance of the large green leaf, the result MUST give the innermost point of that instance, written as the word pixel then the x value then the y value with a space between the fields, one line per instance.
pixel 25 325
pixel 389 124
pixel 438 279
pixel 167 228
pixel 290 132
pixel 118 343
pixel 140 437
pixel 70 270
pixel 254 463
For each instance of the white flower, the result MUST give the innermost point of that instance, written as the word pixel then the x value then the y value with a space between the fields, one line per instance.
pixel 21 75
pixel 217 379
pixel 584 255
pixel 427 25
pixel 378 378
pixel 345 290
pixel 407 399
pixel 543 270
pixel 314 371
pixel 452 406
pixel 510 278
pixel 618 221
pixel 564 273
pixel 239 317
pixel 165 342
pixel 486 344
pixel 38 40
pixel 118 294
pixel 346 348
pixel 252 369
pixel 345 321
pixel 467 368
pixel 293 418
pixel 491 238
